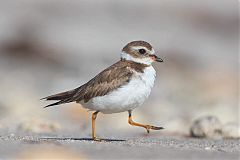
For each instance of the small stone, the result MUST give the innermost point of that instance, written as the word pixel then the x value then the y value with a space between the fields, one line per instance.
pixel 206 127
pixel 231 130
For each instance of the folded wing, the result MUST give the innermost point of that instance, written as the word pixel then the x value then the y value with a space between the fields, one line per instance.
pixel 108 80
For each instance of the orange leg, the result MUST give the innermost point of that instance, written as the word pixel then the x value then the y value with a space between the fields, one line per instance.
pixel 147 127
pixel 94 117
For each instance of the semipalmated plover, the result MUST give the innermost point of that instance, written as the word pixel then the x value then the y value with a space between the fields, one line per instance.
pixel 121 87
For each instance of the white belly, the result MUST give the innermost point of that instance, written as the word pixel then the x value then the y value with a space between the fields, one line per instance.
pixel 128 96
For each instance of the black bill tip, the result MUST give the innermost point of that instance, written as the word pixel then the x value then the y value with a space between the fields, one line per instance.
pixel 159 59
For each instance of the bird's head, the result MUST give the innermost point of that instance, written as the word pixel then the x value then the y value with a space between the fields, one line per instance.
pixel 140 52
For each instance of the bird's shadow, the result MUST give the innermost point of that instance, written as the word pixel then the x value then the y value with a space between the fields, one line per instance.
pixel 80 139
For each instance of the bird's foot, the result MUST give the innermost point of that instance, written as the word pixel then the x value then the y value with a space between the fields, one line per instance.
pixel 97 139
pixel 148 127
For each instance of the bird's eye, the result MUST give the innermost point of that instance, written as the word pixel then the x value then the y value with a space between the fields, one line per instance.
pixel 142 51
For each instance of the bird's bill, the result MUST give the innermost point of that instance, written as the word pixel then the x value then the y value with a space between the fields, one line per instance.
pixel 156 58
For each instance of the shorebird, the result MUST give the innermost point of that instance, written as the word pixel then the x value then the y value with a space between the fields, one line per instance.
pixel 123 86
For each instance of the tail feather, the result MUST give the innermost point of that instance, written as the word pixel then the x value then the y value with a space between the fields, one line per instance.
pixel 60 96
pixel 64 97
pixel 53 104
pixel 56 103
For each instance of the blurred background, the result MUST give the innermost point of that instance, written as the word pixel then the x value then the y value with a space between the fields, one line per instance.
pixel 51 46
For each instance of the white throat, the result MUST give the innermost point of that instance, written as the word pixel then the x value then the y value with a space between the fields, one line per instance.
pixel 147 61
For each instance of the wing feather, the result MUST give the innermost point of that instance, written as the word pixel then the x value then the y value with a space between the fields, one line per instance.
pixel 106 81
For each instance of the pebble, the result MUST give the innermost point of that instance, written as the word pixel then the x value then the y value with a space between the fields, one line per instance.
pixel 206 127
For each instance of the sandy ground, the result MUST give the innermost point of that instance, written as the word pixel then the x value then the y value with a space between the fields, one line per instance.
pixel 142 147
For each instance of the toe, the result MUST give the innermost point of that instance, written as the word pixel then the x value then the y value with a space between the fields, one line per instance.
pixel 148 131
pixel 97 139
pixel 156 128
